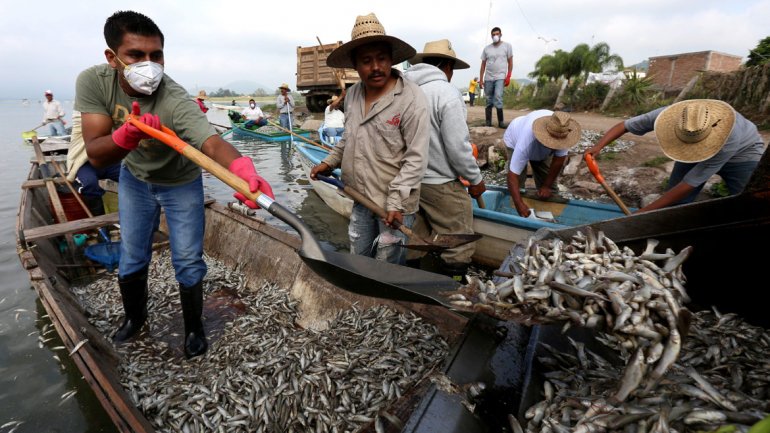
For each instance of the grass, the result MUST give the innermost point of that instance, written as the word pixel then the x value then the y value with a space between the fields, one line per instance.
pixel 607 156
pixel 656 162
pixel 719 189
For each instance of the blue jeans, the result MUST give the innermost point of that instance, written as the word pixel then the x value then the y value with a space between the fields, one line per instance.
pixel 284 120
pixel 56 128
pixel 735 174
pixel 369 236
pixel 88 177
pixel 493 91
pixel 334 132
pixel 139 205
pixel 250 123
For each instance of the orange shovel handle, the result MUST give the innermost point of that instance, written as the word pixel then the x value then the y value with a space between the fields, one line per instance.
pixel 593 167
pixel 168 137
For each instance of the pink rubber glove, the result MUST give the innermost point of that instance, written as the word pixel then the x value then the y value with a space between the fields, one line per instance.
pixel 243 167
pixel 128 135
pixel 507 80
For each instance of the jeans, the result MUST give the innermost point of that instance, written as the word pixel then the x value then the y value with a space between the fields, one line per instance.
pixel 472 97
pixel 369 236
pixel 284 120
pixel 88 177
pixel 735 174
pixel 56 127
pixel 493 90
pixel 139 206
pixel 334 132
pixel 250 123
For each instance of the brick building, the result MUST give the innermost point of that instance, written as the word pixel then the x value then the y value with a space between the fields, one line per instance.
pixel 672 73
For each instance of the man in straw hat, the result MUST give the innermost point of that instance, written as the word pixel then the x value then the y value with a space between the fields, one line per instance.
pixel 285 104
pixel 705 137
pixel 383 153
pixel 334 120
pixel 542 139
pixel 444 202
pixel 200 100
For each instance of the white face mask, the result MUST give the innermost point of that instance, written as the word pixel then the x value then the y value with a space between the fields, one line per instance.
pixel 144 77
pixel 496 38
pixel 252 105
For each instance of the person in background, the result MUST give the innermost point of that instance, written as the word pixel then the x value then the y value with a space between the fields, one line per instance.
pixel 384 151
pixel 334 120
pixel 444 201
pixel 253 116
pixel 496 68
pixel 472 89
pixel 153 176
pixel 705 137
pixel 285 104
pixel 53 115
pixel 542 139
pixel 80 171
pixel 201 101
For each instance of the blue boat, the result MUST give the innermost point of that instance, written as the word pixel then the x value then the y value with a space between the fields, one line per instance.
pixel 324 139
pixel 498 223
pixel 267 133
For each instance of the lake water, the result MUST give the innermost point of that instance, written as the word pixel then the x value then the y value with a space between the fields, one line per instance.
pixel 32 381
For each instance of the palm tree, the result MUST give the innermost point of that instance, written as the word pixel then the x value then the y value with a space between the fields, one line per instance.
pixel 599 58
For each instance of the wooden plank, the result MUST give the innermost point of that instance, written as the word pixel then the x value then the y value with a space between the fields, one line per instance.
pixel 81 225
pixel 39 183
pixel 54 195
pixel 49 158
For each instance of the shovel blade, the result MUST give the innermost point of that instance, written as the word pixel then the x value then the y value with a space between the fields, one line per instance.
pixel 368 277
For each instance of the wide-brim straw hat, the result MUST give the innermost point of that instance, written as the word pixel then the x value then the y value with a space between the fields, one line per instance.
pixel 695 130
pixel 332 99
pixel 202 95
pixel 284 86
pixel 367 30
pixel 439 49
pixel 557 131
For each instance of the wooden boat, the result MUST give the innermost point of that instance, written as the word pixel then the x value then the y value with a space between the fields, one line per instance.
pixel 230 237
pixel 311 156
pixel 267 133
pixel 501 225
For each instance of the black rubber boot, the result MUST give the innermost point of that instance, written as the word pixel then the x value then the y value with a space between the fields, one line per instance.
pixel 95 204
pixel 500 118
pixel 456 271
pixel 488 114
pixel 133 291
pixel 192 311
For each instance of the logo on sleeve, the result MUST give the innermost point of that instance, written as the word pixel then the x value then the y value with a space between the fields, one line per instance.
pixel 395 120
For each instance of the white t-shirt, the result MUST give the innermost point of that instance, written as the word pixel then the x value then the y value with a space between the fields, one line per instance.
pixel 520 137
pixel 52 110
pixel 334 118
pixel 252 113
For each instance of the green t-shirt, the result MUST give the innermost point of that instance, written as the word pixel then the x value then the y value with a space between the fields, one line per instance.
pixel 98 92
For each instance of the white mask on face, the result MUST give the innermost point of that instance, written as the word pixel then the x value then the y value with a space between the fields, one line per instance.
pixel 144 77
pixel 252 105
pixel 496 38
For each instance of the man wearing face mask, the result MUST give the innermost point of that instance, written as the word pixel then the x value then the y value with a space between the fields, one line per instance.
pixel 497 60
pixel 253 115
pixel 153 176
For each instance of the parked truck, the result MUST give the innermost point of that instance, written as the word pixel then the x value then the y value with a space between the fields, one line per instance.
pixel 318 82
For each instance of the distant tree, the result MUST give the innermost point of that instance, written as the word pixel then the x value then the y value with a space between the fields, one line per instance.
pixel 260 92
pixel 224 93
pixel 761 54
pixel 581 60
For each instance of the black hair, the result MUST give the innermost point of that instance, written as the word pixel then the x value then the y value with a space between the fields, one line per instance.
pixel 439 62
pixel 122 22
pixel 495 29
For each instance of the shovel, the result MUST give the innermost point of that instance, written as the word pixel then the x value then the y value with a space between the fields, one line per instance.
pixel 594 169
pixel 27 135
pixel 436 243
pixel 358 274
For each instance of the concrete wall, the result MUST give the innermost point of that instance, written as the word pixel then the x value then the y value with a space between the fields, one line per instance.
pixel 674 72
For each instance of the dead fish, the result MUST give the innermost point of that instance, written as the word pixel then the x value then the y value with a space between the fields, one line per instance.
pixel 632 377
pixel 572 290
pixel 78 346
pixel 676 261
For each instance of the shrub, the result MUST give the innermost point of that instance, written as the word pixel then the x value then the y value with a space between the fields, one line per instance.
pixel 719 189
pixel 657 161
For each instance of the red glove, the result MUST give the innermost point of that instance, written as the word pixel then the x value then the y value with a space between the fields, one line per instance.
pixel 507 80
pixel 128 135
pixel 243 167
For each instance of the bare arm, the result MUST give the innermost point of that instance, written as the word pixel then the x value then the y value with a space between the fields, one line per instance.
pixel 513 189
pixel 481 73
pixel 611 135
pixel 553 172
pixel 97 134
pixel 510 66
pixel 220 150
pixel 672 196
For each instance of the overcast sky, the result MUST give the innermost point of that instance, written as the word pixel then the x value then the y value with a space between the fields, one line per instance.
pixel 45 44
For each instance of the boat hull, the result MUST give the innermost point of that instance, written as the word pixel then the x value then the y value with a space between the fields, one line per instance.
pixel 240 131
pixel 311 156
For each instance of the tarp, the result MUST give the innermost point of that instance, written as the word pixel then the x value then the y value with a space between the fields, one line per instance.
pixel 614 79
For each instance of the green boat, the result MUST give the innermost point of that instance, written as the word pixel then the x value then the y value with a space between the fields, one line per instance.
pixel 267 133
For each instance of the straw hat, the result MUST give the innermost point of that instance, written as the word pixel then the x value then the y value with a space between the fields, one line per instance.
pixel 557 131
pixel 202 95
pixel 694 130
pixel 332 99
pixel 366 30
pixel 284 86
pixel 442 49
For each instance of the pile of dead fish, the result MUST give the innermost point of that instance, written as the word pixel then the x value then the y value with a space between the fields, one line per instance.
pixel 720 383
pixel 588 138
pixel 264 373
pixel 590 282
